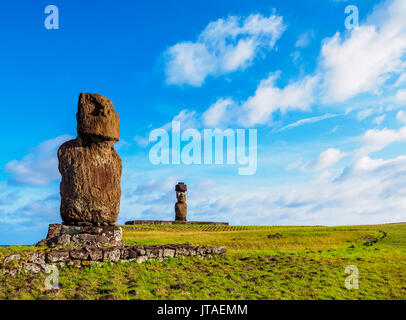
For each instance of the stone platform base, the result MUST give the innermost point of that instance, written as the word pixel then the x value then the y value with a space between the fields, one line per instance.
pixel 59 234
pixel 133 222
pixel 39 260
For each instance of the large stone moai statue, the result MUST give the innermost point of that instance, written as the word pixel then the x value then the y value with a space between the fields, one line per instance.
pixel 181 206
pixel 90 167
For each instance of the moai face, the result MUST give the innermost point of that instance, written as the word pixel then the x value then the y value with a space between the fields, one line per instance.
pixel 96 117
pixel 181 196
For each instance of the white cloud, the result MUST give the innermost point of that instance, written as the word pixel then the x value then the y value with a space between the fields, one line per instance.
pixel 309 120
pixel 400 80
pixel 187 119
pixel 401 96
pixel 325 160
pixel 365 113
pixel 296 56
pixel 141 141
pixel 366 57
pixel 224 46
pixel 379 119
pixel 121 145
pixel 40 166
pixel 304 39
pixel 153 189
pixel 216 113
pixel 366 164
pixel 268 98
pixel 294 165
pixel 189 63
pixel 376 140
pixel 401 116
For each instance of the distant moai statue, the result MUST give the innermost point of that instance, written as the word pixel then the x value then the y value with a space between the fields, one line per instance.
pixel 180 206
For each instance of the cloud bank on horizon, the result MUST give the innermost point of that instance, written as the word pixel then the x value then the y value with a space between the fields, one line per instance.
pixel 330 113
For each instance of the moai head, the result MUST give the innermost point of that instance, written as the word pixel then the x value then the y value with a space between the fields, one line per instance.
pixel 96 117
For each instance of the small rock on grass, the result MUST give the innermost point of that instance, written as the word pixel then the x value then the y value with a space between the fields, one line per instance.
pixel 107 291
pixel 51 291
pixel 132 282
pixel 177 286
pixel 134 292
pixel 275 236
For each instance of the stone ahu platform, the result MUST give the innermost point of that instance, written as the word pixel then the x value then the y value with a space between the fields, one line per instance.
pixel 40 260
pixel 60 234
pixel 134 222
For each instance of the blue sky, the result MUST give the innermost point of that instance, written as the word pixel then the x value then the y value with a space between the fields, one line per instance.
pixel 328 104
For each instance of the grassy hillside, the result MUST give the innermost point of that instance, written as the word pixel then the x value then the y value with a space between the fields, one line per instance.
pixel 261 263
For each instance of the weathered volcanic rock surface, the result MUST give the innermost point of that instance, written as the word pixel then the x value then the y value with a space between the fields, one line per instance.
pixel 40 260
pixel 96 117
pixel 90 187
pixel 90 167
pixel 94 236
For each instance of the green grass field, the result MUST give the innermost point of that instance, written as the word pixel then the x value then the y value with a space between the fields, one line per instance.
pixel 297 263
